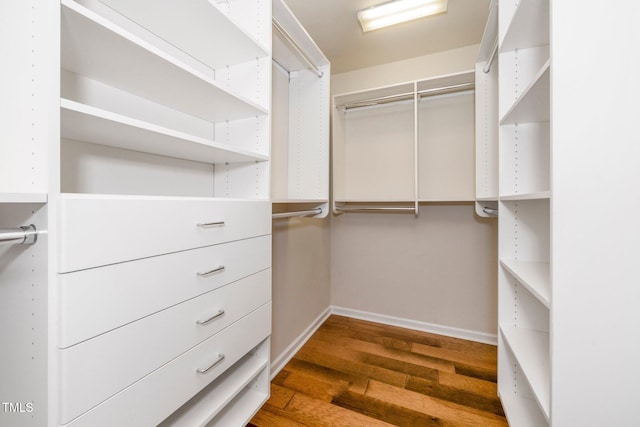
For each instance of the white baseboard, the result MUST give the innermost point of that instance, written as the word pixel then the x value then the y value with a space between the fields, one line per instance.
pixel 466 334
pixel 283 358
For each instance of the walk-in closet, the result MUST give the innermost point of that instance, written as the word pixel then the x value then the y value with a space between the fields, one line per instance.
pixel 273 213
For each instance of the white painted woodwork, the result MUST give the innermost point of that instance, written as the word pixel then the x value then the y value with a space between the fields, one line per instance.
pixel 96 369
pixel 159 105
pixel 99 300
pixel 300 111
pixel 92 226
pixel 177 381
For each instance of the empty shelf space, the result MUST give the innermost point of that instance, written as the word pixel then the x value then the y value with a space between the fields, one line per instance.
pixel 535 276
pixel 529 26
pixel 531 350
pixel 533 105
pixel 94 47
pixel 539 195
pixel 85 123
pixel 208 403
pixel 240 411
pixel 522 412
pixel 186 24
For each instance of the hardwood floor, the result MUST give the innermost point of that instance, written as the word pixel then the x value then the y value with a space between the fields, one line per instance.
pixel 357 373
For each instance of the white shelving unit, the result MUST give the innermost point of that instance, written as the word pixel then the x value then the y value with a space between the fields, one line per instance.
pixel 419 133
pixel 135 117
pixel 300 132
pixel 525 286
pixel 487 71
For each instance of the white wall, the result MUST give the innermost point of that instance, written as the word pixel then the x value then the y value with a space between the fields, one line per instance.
pixel 439 268
pixel 300 277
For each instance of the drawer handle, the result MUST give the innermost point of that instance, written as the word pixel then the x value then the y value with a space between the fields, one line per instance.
pixel 211 319
pixel 204 371
pixel 210 224
pixel 211 272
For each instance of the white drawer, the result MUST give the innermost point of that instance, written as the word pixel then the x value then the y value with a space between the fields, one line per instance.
pixel 96 369
pixel 101 230
pixel 157 395
pixel 98 300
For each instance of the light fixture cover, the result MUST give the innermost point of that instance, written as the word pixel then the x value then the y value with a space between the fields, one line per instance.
pixel 397 11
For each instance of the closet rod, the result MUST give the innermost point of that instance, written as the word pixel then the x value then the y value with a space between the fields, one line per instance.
pixel 25 235
pixel 316 211
pixel 374 209
pixel 487 66
pixel 408 95
pixel 490 211
pixel 297 48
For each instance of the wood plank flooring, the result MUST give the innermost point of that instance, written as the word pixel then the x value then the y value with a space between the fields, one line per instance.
pixel 357 373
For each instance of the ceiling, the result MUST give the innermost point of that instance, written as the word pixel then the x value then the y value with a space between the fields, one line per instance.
pixel 333 24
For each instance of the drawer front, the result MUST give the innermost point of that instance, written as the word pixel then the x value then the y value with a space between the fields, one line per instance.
pixel 98 300
pixel 93 370
pixel 97 231
pixel 157 395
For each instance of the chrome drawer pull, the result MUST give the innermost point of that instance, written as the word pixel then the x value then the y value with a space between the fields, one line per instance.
pixel 211 319
pixel 210 224
pixel 204 371
pixel 211 272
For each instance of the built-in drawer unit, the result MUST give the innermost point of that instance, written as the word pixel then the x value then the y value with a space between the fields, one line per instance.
pixel 99 230
pixel 97 300
pixel 157 395
pixel 93 370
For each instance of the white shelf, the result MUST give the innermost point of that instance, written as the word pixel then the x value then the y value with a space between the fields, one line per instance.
pixel 208 403
pixel 529 26
pixel 240 412
pixel 533 105
pixel 187 24
pixel 101 50
pixel 487 198
pixel 535 276
pixel 540 195
pixel 82 122
pixel 531 350
pixel 522 412
pixel 23 197
pixel 301 201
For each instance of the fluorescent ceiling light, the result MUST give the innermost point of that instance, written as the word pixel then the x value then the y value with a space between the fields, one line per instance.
pixel 395 12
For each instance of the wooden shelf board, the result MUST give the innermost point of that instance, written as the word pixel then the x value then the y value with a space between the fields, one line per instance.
pixel 531 350
pixel 527 196
pixel 23 197
pixel 186 24
pixel 533 105
pixel 522 412
pixel 101 50
pixel 529 26
pixel 82 122
pixel 535 276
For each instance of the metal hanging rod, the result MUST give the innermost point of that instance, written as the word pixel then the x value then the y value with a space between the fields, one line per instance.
pixel 490 211
pixel 375 209
pixel 25 235
pixel 316 211
pixel 313 67
pixel 408 95
pixel 487 66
